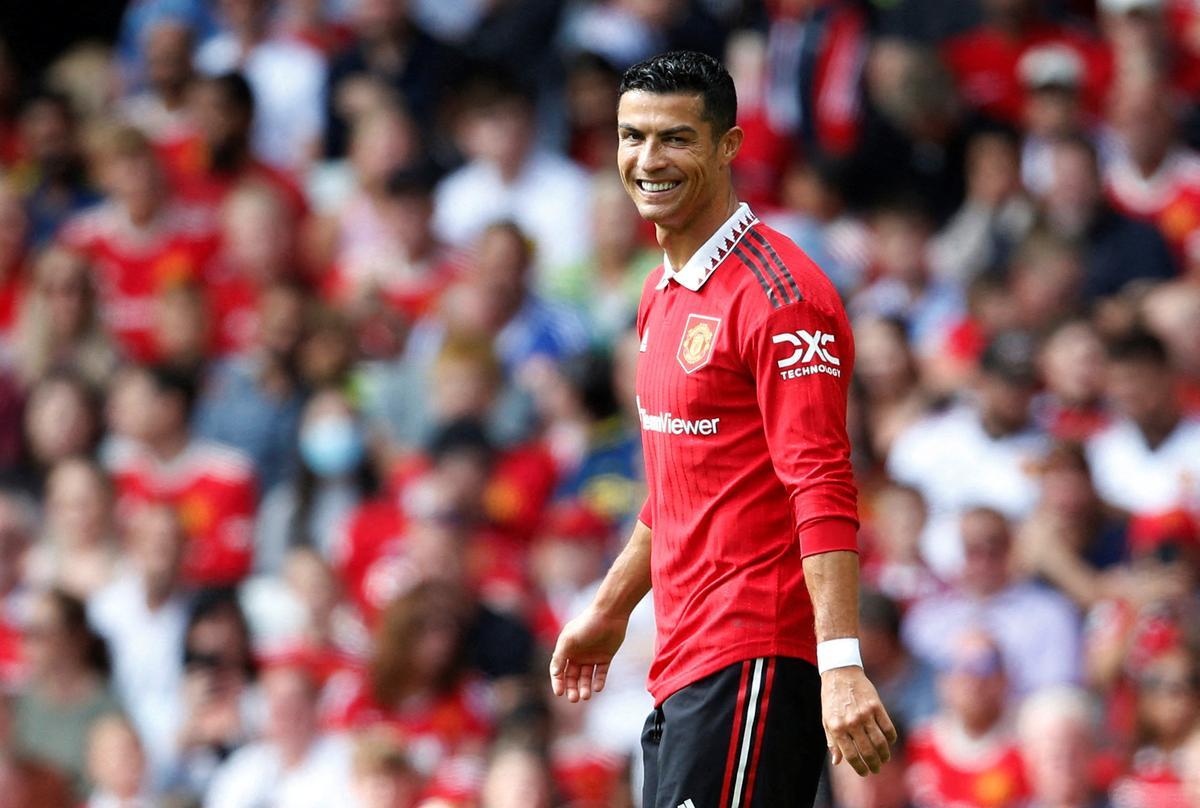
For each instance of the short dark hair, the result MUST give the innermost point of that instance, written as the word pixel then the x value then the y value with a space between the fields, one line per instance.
pixel 172 381
pixel 688 72
pixel 235 89
pixel 1139 346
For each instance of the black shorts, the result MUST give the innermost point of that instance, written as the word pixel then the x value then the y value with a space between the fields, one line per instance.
pixel 747 736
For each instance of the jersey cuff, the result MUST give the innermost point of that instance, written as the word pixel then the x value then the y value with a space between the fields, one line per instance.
pixel 826 534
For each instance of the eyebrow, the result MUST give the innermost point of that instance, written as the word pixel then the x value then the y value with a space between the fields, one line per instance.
pixel 674 130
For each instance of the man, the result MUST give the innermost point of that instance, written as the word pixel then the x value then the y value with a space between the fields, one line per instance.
pixel 742 390
pixel 1057 731
pixel 1148 460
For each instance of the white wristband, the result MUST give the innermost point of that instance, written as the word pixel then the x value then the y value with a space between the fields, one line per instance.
pixel 840 653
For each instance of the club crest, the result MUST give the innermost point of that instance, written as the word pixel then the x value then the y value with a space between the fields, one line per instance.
pixel 696 346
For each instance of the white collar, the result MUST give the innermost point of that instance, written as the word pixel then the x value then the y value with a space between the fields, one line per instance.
pixel 705 260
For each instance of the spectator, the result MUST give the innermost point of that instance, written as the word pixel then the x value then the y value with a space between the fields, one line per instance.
pixel 383 776
pixel 68 689
pixel 905 288
pixel 294 764
pixel 1143 33
pixel 1045 280
pixel 213 486
pixel 496 298
pixel 507 177
pixel 517 776
pixel 18 526
pixel 259 251
pixel 1152 175
pixel 139 240
pixel 116 765
pixel 1056 727
pixel 143 616
pixel 219 157
pixel 253 401
pixel 988 596
pixel 418 671
pixel 334 477
pixel 1191 770
pixel 1072 362
pixel 995 217
pixel 976 454
pixel 907 685
pixel 892 564
pixel 1147 460
pixel 78 552
pixel 889 381
pixel 181 331
pixel 389 52
pixel 14 273
pixel 607 286
pixel 56 187
pixel 286 75
pixel 160 108
pixel 1070 540
pixel 61 322
pixel 886 789
pixel 1052 76
pixel 967 754
pixel 1168 707
pixel 217 708
pixel 60 422
pixel 1116 249
pixel 566 559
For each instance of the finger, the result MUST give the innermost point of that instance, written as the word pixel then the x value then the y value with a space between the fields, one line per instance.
pixel 572 681
pixel 866 749
pixel 849 753
pixel 558 664
pixel 835 754
pixel 601 676
pixel 585 681
pixel 878 742
pixel 885 723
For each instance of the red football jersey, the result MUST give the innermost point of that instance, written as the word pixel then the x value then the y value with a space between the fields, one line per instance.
pixel 741 391
pixel 134 264
pixel 947 772
pixel 215 491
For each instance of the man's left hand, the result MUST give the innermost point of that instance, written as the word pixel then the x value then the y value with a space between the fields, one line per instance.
pixel 857 727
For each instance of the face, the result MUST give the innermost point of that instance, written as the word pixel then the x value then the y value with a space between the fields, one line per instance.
pixel 291 703
pixel 156 540
pixel 1144 123
pixel 180 325
pixel 115 758
pixel 47 130
pixel 1074 188
pixel 500 271
pixel 1053 112
pixel 516 779
pixel 133 179
pixel 1141 390
pixel 381 144
pixel 257 234
pixel 1004 403
pixel 387 790
pixel 63 284
pixel 218 120
pixel 900 520
pixel 58 422
pixel 883 362
pixel 499 133
pixel 1191 770
pixel 1073 364
pixel 673 165
pixel 462 388
pixel 281 321
pixel 47 642
pixel 900 246
pixel 986 544
pixel 78 507
pixel 974 687
pixel 1169 698
pixel 168 53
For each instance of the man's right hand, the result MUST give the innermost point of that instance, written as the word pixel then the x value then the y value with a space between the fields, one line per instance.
pixel 582 655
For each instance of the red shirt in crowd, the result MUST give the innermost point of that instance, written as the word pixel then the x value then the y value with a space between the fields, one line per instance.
pixel 741 391
pixel 135 264
pixel 984 63
pixel 1169 198
pixel 215 491
pixel 944 773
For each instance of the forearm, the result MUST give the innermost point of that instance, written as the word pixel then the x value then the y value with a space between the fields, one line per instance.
pixel 628 580
pixel 832 580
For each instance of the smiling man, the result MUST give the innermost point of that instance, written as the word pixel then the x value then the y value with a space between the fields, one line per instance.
pixel 748 535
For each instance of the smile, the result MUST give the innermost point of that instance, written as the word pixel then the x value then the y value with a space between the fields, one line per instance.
pixel 656 187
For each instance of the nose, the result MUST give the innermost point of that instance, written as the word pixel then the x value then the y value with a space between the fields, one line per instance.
pixel 652 157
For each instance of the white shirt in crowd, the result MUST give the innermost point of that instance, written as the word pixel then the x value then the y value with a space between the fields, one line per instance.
pixel 1131 476
pixel 956 465
pixel 255 777
pixel 550 200
pixel 147 656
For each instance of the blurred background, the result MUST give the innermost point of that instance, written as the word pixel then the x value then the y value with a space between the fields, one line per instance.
pixel 316 411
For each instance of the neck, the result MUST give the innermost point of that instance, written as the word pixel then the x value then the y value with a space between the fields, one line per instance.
pixel 168 447
pixel 681 244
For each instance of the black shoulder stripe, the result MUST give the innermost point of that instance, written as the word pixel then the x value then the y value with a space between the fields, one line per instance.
pixel 770 270
pixel 783 270
pixel 744 257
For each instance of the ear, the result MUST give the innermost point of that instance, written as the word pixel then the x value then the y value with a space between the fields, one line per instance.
pixel 730 144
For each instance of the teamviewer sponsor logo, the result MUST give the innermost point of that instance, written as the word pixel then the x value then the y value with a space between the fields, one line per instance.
pixel 664 422
pixel 812 352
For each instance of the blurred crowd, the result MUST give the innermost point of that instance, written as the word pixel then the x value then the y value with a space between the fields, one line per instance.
pixel 316 361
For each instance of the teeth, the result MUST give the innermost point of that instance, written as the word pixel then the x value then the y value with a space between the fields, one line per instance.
pixel 657 186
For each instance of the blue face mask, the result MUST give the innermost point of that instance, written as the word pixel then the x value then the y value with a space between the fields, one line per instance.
pixel 332 447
